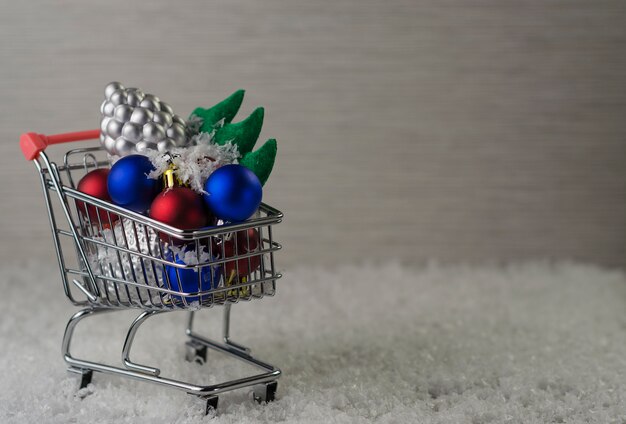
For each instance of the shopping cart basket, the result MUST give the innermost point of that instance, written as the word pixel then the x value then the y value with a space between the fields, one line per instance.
pixel 127 260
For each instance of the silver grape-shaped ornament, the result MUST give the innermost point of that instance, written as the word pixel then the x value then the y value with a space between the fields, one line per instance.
pixel 134 121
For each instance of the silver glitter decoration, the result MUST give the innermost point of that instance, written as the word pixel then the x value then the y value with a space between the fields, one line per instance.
pixel 114 128
pixel 111 88
pixel 144 146
pixel 162 118
pixel 178 120
pixel 153 98
pixel 132 132
pixel 112 263
pixel 149 104
pixel 118 97
pixel 122 112
pixel 166 108
pixel 124 147
pixel 165 145
pixel 109 145
pixel 103 126
pixel 135 96
pixel 108 108
pixel 133 121
pixel 141 116
pixel 153 132
pixel 177 133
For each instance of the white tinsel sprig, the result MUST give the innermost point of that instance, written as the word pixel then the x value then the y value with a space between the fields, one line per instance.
pixel 195 163
pixel 194 123
pixel 189 256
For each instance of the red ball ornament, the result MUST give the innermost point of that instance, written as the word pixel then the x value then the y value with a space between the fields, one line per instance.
pixel 248 239
pixel 94 184
pixel 247 242
pixel 180 207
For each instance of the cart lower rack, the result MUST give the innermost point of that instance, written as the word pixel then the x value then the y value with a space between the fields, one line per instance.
pixel 111 258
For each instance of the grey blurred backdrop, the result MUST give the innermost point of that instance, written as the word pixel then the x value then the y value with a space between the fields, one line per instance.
pixel 457 130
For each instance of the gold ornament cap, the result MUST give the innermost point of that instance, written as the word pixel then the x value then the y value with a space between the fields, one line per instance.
pixel 169 178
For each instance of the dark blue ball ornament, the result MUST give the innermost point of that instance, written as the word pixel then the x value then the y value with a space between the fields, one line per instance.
pixel 233 193
pixel 186 280
pixel 129 185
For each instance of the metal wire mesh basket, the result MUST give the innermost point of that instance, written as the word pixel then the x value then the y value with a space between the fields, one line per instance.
pixel 127 260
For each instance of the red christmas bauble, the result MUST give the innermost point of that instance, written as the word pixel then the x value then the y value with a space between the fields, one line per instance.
pixel 180 207
pixel 248 239
pixel 247 242
pixel 94 184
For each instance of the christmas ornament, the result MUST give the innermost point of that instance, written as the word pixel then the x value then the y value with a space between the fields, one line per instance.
pixel 248 239
pixel 113 263
pixel 179 207
pixel 223 112
pixel 244 242
pixel 94 184
pixel 186 280
pixel 261 161
pixel 129 185
pixel 133 121
pixel 244 133
pixel 216 121
pixel 233 193
pixel 193 165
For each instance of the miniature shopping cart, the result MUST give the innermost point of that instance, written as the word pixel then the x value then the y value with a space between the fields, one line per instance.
pixel 117 259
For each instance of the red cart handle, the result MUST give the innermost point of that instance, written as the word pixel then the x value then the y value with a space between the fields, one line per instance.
pixel 32 143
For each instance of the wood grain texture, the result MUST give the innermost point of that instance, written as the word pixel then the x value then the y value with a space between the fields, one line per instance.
pixel 462 131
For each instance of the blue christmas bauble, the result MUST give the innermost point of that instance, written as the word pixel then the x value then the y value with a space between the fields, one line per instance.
pixel 186 280
pixel 233 193
pixel 129 185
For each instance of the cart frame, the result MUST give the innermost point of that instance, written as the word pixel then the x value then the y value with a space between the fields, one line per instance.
pixel 149 276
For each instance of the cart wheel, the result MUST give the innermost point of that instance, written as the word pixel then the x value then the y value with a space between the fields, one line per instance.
pixel 266 392
pixel 85 379
pixel 196 352
pixel 85 376
pixel 211 404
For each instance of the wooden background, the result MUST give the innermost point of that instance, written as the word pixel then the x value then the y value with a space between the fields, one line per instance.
pixel 456 130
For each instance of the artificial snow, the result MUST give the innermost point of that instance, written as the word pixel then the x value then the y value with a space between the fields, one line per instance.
pixel 531 343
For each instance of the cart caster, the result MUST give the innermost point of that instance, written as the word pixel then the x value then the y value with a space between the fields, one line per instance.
pixel 85 376
pixel 196 352
pixel 265 392
pixel 85 379
pixel 211 404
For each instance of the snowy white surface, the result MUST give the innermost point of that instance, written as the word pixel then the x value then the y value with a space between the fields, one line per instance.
pixel 385 344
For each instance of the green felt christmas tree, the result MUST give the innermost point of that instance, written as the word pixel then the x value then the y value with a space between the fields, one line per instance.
pixel 217 120
pixel 226 110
